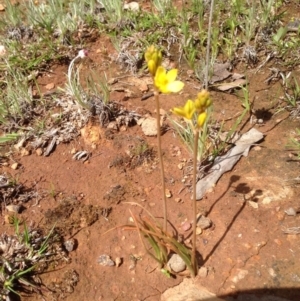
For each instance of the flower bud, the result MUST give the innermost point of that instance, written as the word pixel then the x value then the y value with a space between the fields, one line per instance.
pixel 152 67
pixel 153 58
pixel 201 119
pixel 203 101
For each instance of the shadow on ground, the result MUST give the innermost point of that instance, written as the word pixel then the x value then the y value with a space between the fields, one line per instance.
pixel 283 294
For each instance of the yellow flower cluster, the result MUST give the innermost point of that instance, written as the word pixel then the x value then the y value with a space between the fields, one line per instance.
pixel 165 81
pixel 199 106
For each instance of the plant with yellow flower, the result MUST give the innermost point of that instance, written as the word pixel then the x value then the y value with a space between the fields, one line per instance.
pixel 195 113
pixel 164 82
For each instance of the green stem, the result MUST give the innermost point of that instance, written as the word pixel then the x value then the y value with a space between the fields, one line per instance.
pixel 194 250
pixel 161 164
pixel 208 44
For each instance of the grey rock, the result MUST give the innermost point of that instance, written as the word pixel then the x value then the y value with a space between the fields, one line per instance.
pixel 70 244
pixel 290 211
pixel 105 261
pixel 204 222
pixel 176 263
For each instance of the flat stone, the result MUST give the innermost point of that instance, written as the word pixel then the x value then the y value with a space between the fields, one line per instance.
pixel 204 222
pixel 149 127
pixel 187 290
pixel 290 211
pixel 105 260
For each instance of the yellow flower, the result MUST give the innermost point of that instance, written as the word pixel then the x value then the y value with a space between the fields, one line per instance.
pixel 153 58
pixel 187 111
pixel 166 82
pixel 201 119
pixel 203 101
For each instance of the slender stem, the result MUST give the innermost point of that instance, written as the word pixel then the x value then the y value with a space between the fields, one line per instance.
pixel 208 44
pixel 194 250
pixel 161 163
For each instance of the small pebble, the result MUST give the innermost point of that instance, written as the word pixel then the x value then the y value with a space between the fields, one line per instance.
pixel 204 222
pixel 168 193
pixel 130 219
pixel 178 200
pixel 118 261
pixel 176 263
pixel 185 226
pixel 24 152
pixel 39 151
pixel 272 272
pixel 13 208
pixel 198 230
pixel 290 211
pixel 70 244
pixel 133 6
pixel 105 261
pixel 73 151
pixel 203 271
pixel 180 166
pixel 14 166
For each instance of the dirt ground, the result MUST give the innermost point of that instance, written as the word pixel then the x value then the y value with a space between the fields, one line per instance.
pixel 244 251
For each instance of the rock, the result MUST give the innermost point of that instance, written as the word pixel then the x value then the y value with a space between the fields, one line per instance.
pixel 168 193
pixel 198 230
pixel 24 152
pixel 180 166
pixel 204 222
pixel 176 263
pixel 70 244
pixel 202 272
pixel 91 134
pixel 178 200
pixel 188 290
pixel 13 208
pixel 185 226
pixel 118 261
pixel 140 83
pixel 50 86
pixel 272 273
pixel 149 127
pixel 14 166
pixel 133 6
pixel 39 151
pixel 105 261
pixel 291 211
